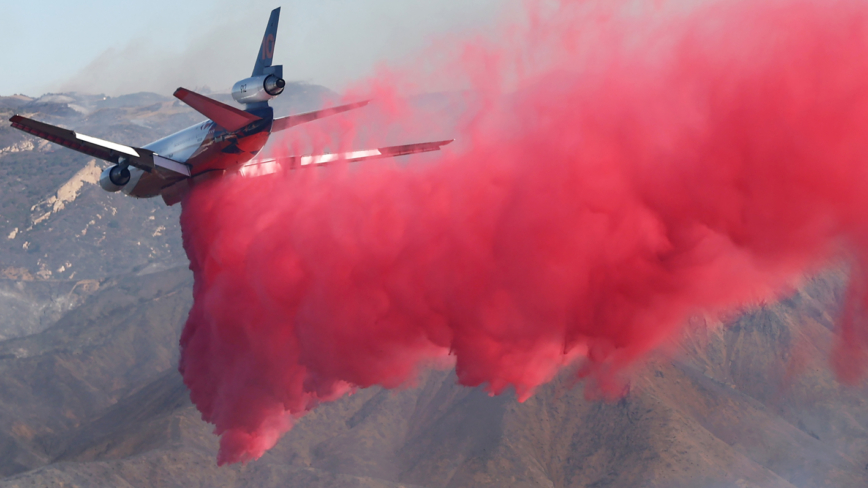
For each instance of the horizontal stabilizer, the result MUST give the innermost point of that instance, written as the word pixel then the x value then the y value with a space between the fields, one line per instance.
pixel 262 167
pixel 228 117
pixel 284 123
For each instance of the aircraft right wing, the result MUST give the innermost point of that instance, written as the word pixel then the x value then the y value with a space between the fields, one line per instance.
pixel 262 167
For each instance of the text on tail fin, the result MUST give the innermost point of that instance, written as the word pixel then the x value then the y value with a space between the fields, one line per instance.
pixel 266 49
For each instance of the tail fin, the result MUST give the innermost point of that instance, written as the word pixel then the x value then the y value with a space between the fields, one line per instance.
pixel 266 50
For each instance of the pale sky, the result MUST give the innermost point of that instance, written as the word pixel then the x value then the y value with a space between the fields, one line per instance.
pixel 116 46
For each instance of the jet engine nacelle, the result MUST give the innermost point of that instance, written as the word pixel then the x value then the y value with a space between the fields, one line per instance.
pixel 258 89
pixel 114 178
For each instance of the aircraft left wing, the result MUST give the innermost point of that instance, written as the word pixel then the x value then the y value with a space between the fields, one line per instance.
pixel 98 148
pixel 91 146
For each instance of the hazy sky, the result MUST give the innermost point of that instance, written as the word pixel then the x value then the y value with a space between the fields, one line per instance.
pixel 116 47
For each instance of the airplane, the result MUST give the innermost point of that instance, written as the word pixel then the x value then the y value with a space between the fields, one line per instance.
pixel 224 144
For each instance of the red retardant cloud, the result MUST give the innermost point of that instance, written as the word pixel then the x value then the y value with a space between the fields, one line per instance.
pixel 620 173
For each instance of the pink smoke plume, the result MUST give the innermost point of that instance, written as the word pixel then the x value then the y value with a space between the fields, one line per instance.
pixel 621 171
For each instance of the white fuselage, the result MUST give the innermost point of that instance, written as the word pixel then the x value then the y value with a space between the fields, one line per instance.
pixel 179 147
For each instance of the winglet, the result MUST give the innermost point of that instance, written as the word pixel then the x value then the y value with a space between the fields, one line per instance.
pixel 228 117
pixel 266 50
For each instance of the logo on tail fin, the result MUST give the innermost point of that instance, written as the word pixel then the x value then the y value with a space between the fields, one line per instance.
pixel 268 47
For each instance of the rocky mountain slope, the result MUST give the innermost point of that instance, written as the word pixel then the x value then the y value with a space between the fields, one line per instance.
pixel 92 306
pixel 55 223
pixel 58 226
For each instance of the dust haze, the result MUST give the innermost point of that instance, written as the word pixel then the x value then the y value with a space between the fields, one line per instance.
pixel 329 42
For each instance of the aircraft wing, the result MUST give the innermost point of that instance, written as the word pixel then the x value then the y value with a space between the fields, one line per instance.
pixel 284 123
pixel 91 146
pixel 98 148
pixel 262 167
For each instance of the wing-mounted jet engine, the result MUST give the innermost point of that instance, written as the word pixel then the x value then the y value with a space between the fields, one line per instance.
pixel 114 178
pixel 227 142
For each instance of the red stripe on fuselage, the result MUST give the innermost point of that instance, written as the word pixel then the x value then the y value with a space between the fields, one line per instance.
pixel 213 154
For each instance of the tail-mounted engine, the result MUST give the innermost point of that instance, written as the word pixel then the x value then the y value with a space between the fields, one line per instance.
pixel 260 88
